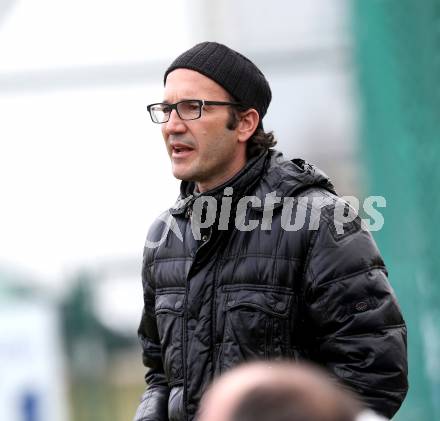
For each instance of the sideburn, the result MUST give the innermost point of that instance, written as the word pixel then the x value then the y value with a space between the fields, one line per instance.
pixel 233 119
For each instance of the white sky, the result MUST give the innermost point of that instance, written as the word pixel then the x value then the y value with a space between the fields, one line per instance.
pixel 83 172
pixel 58 33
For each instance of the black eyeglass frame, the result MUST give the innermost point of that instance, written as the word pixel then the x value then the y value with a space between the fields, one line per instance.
pixel 201 103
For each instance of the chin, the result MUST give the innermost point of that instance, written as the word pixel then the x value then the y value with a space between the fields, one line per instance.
pixel 182 175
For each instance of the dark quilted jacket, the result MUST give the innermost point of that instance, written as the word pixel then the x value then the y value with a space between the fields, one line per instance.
pixel 317 294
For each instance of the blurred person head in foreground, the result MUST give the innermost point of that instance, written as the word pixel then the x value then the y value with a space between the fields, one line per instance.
pixel 258 258
pixel 266 391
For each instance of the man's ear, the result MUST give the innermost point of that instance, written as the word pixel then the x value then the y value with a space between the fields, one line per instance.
pixel 247 124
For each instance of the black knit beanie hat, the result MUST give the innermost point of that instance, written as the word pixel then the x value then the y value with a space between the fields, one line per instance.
pixel 230 69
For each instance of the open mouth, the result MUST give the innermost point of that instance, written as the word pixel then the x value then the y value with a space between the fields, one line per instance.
pixel 181 151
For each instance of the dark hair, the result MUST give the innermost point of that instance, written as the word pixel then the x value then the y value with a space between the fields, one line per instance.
pixel 278 403
pixel 259 141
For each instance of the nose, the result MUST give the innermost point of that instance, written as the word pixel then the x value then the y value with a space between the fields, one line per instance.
pixel 174 125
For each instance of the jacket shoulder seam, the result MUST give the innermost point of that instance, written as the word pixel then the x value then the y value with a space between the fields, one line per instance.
pixel 368 386
pixel 351 275
pixel 359 335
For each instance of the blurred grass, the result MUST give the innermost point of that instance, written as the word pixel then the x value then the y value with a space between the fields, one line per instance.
pixel 99 401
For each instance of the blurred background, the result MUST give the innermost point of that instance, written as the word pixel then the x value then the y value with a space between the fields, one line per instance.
pixel 83 172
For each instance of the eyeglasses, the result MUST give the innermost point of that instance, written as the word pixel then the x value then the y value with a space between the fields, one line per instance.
pixel 189 109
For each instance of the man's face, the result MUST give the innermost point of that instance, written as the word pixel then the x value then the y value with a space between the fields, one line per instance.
pixel 204 150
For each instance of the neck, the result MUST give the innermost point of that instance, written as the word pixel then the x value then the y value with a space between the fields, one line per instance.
pixel 204 186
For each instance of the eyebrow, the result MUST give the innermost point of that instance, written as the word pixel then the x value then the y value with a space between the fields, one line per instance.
pixel 189 98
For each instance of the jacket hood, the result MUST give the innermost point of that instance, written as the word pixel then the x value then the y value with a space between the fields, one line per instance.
pixel 291 176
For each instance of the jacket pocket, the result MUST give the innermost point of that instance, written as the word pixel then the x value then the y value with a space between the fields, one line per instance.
pixel 169 310
pixel 257 323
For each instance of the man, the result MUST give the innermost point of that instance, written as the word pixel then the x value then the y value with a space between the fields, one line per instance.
pixel 280 392
pixel 228 278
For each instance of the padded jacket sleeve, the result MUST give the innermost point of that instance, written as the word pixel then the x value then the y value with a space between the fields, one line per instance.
pixel 154 402
pixel 354 322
